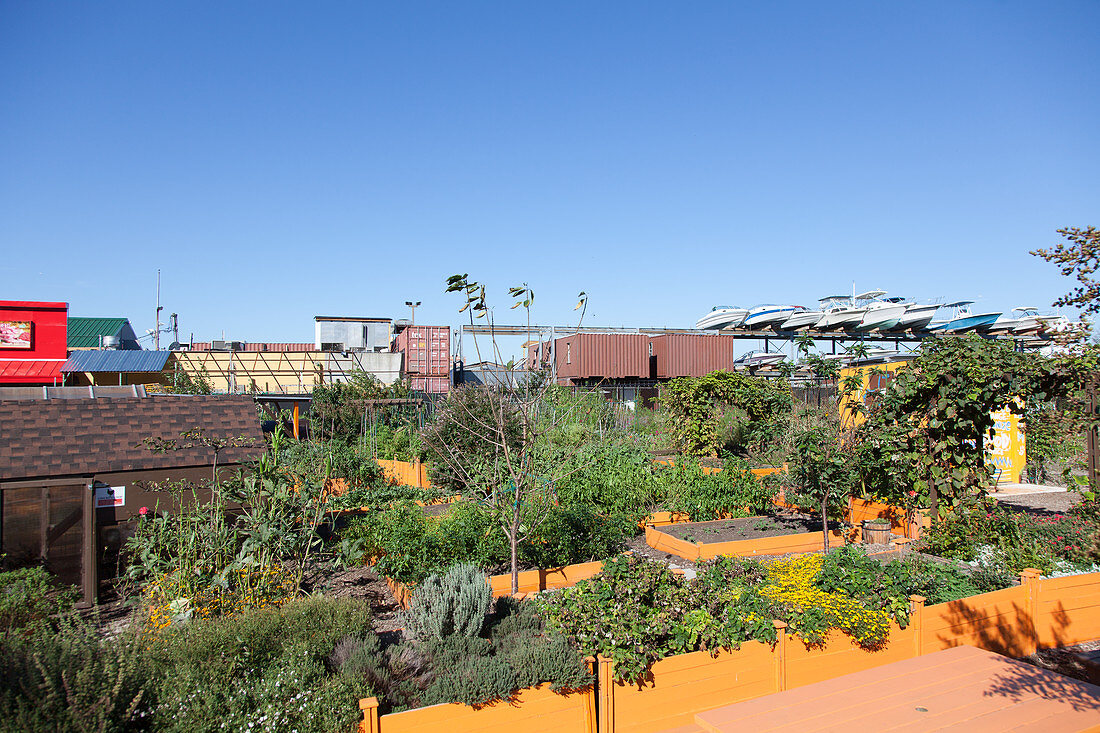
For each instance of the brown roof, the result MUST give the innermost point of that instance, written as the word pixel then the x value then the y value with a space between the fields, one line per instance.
pixel 79 437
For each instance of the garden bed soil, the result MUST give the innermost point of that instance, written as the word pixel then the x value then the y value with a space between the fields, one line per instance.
pixel 746 528
pixel 357 582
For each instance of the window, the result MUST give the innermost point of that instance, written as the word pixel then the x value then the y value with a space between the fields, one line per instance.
pixel 568 354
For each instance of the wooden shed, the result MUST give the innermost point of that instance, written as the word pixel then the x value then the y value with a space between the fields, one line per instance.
pixel 73 471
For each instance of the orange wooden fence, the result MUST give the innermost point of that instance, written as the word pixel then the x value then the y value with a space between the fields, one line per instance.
pixel 404 473
pixel 1015 621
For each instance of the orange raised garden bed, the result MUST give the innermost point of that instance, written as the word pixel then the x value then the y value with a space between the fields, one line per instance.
pixel 780 545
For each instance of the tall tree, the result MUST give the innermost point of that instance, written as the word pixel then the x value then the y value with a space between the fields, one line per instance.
pixel 1079 255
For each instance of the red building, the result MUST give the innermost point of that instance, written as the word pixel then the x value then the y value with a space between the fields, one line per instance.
pixel 33 342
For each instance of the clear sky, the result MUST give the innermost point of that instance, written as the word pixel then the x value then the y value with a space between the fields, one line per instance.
pixel 281 160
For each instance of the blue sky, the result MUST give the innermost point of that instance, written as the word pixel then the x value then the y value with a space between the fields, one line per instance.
pixel 282 160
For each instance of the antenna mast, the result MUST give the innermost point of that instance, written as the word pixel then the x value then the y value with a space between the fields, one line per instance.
pixel 156 339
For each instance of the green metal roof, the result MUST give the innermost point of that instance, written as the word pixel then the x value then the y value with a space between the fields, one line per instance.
pixel 84 333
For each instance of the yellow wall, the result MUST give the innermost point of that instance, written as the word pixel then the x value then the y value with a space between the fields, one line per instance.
pixel 1006 449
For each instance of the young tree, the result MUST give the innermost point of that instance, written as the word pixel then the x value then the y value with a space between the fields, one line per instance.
pixel 489 440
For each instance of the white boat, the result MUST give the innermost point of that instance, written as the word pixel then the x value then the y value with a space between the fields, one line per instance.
pixel 880 314
pixel 801 319
pixel 722 316
pixel 1022 320
pixel 839 312
pixel 916 317
pixel 769 315
pixel 760 358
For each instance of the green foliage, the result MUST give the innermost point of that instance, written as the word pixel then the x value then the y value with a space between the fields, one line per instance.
pixel 734 491
pixel 612 474
pixel 70 678
pixel 331 459
pixel 926 431
pixel 1079 255
pixel 1011 541
pixel 409 545
pixel 697 406
pixel 263 667
pixel 468 438
pixel 31 595
pixel 336 410
pixel 185 382
pixel 454 603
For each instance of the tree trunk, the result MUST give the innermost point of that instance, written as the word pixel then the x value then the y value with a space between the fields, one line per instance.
pixel 825 522
pixel 514 540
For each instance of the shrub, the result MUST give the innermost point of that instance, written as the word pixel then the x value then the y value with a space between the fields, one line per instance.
pixel 264 667
pixel 451 604
pixel 31 594
pixel 70 678
pixel 733 491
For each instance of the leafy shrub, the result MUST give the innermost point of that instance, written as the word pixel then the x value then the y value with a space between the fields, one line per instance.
pixel 612 474
pixel 267 667
pixel 454 603
pixel 331 459
pixel 408 545
pixel 70 678
pixel 29 595
pixel 733 491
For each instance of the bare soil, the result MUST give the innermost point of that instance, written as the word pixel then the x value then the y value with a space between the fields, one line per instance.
pixel 748 528
pixel 358 582
pixel 1078 661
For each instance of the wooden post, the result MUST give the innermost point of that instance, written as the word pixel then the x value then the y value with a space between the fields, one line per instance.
pixel 590 711
pixel 780 655
pixel 605 686
pixel 916 621
pixel 902 544
pixel 369 706
pixel 89 553
pixel 1029 579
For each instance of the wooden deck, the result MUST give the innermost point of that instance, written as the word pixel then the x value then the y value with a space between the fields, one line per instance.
pixel 962 688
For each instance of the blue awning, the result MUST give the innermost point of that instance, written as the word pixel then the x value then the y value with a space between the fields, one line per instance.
pixel 116 361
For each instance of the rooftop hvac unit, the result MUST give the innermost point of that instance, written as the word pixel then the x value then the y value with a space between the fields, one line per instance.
pixel 237 345
pixel 112 342
pixel 219 346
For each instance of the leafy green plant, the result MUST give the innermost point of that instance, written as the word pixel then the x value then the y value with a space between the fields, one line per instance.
pixel 30 595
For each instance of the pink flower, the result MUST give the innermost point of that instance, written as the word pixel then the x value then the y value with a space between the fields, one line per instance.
pixel 145 510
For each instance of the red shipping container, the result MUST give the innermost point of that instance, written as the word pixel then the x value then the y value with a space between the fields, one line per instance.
pixel 602 355
pixel 693 355
pixel 427 350
pixel 431 385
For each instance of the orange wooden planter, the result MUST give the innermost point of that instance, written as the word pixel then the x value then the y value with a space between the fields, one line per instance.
pixel 779 545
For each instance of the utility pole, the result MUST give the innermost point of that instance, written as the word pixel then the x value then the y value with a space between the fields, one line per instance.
pixel 412 307
pixel 156 338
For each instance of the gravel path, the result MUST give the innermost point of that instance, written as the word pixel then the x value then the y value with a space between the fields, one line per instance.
pixel 1042 504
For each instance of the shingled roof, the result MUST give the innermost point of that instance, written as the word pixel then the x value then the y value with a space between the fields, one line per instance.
pixel 81 437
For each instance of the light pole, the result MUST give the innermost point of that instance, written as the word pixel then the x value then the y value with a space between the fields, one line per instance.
pixel 412 307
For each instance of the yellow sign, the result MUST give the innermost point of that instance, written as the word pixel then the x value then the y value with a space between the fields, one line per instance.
pixel 1007 449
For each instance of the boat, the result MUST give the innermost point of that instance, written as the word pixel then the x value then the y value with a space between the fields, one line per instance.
pixel 916 317
pixel 760 358
pixel 839 312
pixel 769 315
pixel 801 319
pixel 722 316
pixel 964 319
pixel 880 315
pixel 1022 320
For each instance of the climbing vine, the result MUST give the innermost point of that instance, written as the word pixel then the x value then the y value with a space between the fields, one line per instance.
pixel 697 405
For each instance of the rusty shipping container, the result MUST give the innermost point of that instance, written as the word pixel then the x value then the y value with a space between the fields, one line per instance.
pixel 606 355
pixel 693 355
pixel 431 385
pixel 427 350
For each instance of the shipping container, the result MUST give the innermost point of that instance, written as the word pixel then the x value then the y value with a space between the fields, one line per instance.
pixel 430 385
pixel 693 355
pixel 427 350
pixel 601 355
